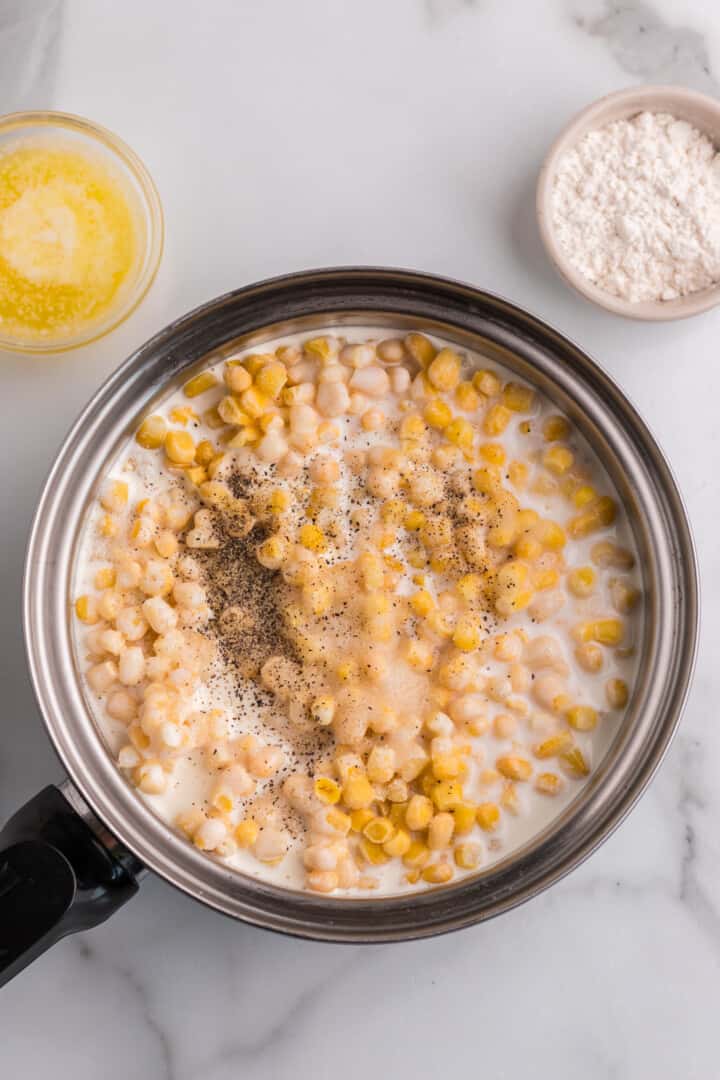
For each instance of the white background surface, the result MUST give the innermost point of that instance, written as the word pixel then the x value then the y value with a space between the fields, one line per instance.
pixel 285 134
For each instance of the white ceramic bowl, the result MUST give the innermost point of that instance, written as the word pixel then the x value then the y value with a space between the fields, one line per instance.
pixel 697 109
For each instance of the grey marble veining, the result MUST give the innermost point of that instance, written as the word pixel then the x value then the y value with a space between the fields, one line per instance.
pixel 285 135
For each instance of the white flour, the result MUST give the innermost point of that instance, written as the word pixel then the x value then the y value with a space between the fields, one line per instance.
pixel 636 208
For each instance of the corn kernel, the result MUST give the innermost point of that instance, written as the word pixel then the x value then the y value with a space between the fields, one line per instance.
pixel 339 821
pixel 416 855
pixel 372 853
pixel 419 812
pixel 115 496
pixel 420 348
pixel 493 453
pixel 398 845
pixel 444 370
pixel 414 520
pixel 584 495
pixel 465 814
pixel 517 397
pixel 553 745
pixel 514 767
pixel 467 856
pixel 438 873
pixel 199 384
pixel 603 631
pixel 357 793
pixel 467 397
pixel 496 419
pixel 271 378
pixel 574 762
pixel 105 578
pixel 447 794
pixel 550 534
pixel 548 783
pixel 313 538
pixel 230 412
pixel 379 830
pixel 437 413
pixel 326 790
pixel 247 832
pixel 617 694
pixel 581 717
pixel 581 582
pixel 86 610
pixel 360 818
pixel 422 603
pixel 320 348
pixel 468 634
pixel 151 433
pixel 487 383
pixel 413 426
pixel 179 447
pixel 558 459
pixel 460 433
pixel 554 428
pixel 488 816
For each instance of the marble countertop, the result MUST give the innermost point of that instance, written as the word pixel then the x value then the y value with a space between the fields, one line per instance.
pixel 285 135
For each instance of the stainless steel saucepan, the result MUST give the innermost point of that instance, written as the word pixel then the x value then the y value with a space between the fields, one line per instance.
pixel 75 853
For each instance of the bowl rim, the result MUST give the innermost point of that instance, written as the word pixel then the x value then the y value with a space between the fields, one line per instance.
pixel 652 98
pixel 329 297
pixel 149 197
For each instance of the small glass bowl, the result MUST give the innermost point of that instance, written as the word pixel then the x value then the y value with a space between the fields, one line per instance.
pixel 67 129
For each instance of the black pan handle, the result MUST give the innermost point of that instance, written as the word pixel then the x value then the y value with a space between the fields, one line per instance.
pixel 57 875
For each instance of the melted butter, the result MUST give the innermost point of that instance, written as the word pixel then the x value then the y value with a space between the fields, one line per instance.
pixel 68 241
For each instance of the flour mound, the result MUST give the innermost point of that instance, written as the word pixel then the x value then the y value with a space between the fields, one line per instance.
pixel 636 208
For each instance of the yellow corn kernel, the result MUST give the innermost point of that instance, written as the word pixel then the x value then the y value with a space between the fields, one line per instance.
pixel 338 820
pixel 347 670
pixel 558 459
pixel 151 433
pixel 487 383
pixel 581 717
pixel 574 761
pixel 486 480
pixel 624 596
pixel 470 587
pixel 254 402
pixel 105 578
pixel 86 610
pixel 554 428
pixel 496 419
pixel 467 397
pixel 196 475
pixel 517 397
pixel 398 845
pixel 467 856
pixel 437 413
pixel 616 692
pixel 468 634
pixel 255 361
pixel 416 855
pixel 420 348
pixel 581 582
pixel 412 426
pixel 444 371
pixel 545 579
pixel 372 853
pixel 357 793
pixel 115 496
pixel 271 378
pixel 313 538
pixel 326 790
pixel 548 783
pixel 230 412
pixel 182 414
pixel 419 812
pixel 528 547
pixel 392 512
pixel 437 533
pixel 447 794
pixel 419 655
pixel 493 453
pixel 108 526
pixel 553 745
pixel 199 384
pixel 204 452
pixel 414 520
pixel 584 495
pixel 247 832
pixel 465 814
pixel 320 348
pixel 509 798
pixel 488 816
pixel 550 534
pixel 448 766
pixel 598 515
pixel 279 501
pixel 422 603
pixel 179 447
pixel 213 419
pixel 603 631
pixel 214 465
pixel 460 433
pixel 605 553
pixel 518 474
pixel 513 767
pixel 438 873
pixel 360 818
pixel 166 544
pixel 379 830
